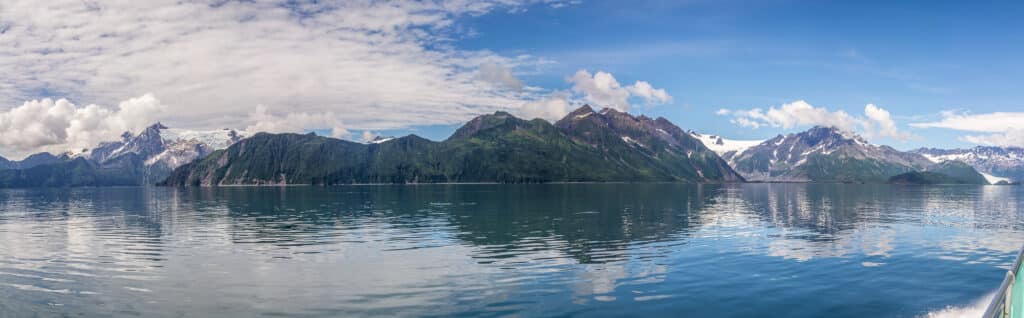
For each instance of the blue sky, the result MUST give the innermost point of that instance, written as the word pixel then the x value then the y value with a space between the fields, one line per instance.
pixel 914 59
pixel 935 73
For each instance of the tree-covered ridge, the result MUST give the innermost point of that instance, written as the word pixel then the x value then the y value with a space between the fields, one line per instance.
pixel 586 146
pixel 948 172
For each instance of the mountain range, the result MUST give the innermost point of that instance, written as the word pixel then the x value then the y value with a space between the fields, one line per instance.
pixel 584 146
pixel 142 159
pixel 998 164
pixel 823 154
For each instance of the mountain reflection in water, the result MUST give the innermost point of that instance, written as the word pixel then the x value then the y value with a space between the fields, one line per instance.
pixel 802 250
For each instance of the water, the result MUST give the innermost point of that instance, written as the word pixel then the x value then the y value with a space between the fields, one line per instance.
pixel 506 250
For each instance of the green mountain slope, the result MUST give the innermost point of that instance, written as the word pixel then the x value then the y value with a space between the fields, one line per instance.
pixel 491 148
pixel 948 172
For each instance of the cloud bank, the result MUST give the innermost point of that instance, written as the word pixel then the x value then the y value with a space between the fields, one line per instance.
pixel 267 65
pixel 377 64
pixel 603 90
pixel 999 128
pixel 876 122
pixel 296 122
pixel 59 125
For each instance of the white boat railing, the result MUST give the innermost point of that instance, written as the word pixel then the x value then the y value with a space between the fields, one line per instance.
pixel 1002 302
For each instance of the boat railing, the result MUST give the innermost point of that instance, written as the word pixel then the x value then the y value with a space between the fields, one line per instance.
pixel 1002 302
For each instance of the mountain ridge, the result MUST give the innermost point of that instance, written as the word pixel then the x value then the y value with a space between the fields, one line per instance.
pixel 585 146
pixel 137 159
pixel 996 162
pixel 823 154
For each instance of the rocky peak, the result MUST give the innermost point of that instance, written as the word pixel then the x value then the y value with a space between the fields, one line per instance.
pixel 821 135
pixel 487 122
pixel 582 111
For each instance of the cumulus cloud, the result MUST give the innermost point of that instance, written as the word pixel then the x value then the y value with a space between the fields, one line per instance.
pixel 652 95
pixel 876 122
pixel 369 136
pixel 1002 128
pixel 798 113
pixel 880 123
pixel 60 125
pixel 377 64
pixel 552 108
pixel 603 90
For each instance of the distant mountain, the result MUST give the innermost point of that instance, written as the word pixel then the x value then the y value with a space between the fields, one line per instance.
pixel 948 172
pixel 74 172
pixel 145 158
pixel 997 163
pixel 584 146
pixel 42 158
pixel 823 154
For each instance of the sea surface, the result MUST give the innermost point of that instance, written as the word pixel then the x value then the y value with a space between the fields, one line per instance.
pixel 589 250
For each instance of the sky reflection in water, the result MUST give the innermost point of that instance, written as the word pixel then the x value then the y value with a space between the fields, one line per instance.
pixel 489 250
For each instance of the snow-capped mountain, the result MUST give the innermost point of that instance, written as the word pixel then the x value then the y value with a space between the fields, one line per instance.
pixel 158 144
pixel 136 159
pixel 140 159
pixel 723 146
pixel 823 154
pixel 997 163
pixel 158 150
pixel 146 144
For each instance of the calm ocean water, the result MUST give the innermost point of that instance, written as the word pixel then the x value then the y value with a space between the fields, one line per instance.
pixel 793 250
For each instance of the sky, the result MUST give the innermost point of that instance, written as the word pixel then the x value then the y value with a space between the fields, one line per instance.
pixel 906 74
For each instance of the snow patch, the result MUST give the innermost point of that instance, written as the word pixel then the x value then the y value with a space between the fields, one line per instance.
pixel 994 179
pixel 727 145
pixel 216 139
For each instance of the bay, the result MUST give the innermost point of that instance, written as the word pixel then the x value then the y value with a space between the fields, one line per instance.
pixel 591 250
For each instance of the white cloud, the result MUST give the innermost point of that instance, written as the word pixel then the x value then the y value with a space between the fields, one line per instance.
pixel 1010 138
pixel 1003 128
pixel 644 90
pixel 876 122
pixel 261 120
pixel 500 75
pixel 552 108
pixel 375 64
pixel 368 136
pixel 744 122
pixel 799 113
pixel 990 122
pixel 603 90
pixel 60 125
pixel 880 123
